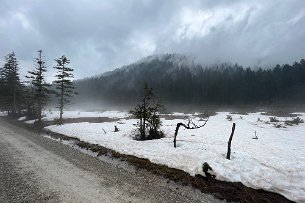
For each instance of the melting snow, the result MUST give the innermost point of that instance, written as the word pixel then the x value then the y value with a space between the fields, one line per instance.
pixel 274 162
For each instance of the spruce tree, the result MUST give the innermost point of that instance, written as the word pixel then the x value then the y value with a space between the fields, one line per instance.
pixel 147 112
pixel 39 86
pixel 2 93
pixel 64 85
pixel 11 85
pixel 30 102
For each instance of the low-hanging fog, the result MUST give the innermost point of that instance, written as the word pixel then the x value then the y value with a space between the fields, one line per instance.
pixel 168 44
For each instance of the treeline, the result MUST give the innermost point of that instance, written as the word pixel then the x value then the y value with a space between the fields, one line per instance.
pixel 30 97
pixel 178 83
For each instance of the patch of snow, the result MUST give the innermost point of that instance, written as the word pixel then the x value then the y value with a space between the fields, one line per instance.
pixel 30 121
pixel 274 162
pixel 179 114
pixel 22 118
pixel 2 113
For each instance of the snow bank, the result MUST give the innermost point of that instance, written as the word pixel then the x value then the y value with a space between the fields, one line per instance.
pixel 274 162
pixel 22 118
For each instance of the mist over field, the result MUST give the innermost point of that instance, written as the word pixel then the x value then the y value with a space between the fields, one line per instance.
pixel 192 53
pixel 196 100
pixel 183 85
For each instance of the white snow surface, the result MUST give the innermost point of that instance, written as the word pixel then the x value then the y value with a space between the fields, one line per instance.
pixel 51 115
pixel 22 118
pixel 2 113
pixel 274 162
pixel 30 121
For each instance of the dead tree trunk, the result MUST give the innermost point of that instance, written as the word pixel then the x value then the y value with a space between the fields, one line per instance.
pixel 229 143
pixel 176 131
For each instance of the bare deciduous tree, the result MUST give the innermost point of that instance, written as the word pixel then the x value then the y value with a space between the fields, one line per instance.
pixel 190 125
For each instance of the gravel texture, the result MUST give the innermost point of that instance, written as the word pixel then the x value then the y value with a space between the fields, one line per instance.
pixel 17 185
pixel 34 168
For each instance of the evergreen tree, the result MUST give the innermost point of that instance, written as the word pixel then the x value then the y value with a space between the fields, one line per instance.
pixel 11 85
pixel 147 113
pixel 64 85
pixel 222 84
pixel 39 86
pixel 2 93
pixel 30 102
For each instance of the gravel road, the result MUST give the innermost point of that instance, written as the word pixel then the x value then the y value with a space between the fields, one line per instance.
pixel 34 168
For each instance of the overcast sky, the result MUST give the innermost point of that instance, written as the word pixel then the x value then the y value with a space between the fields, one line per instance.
pixel 101 35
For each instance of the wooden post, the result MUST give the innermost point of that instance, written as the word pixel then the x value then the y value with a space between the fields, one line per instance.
pixel 116 129
pixel 176 132
pixel 229 143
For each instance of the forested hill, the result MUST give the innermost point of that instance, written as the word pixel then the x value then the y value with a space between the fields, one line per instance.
pixel 177 80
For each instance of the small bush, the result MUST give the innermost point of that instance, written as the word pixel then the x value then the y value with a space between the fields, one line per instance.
pixel 294 121
pixel 273 119
pixel 278 125
pixel 150 135
pixel 229 117
pixel 147 112
pixel 205 168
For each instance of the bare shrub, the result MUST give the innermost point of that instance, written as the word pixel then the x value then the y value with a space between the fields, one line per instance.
pixel 294 121
pixel 229 118
pixel 273 119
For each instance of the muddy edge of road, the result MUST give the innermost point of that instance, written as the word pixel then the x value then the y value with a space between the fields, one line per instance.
pixel 229 191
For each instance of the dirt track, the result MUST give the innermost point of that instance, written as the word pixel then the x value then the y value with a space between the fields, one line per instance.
pixel 36 169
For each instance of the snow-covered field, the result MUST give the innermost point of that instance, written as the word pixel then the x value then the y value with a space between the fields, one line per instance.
pixel 274 162
pixel 51 115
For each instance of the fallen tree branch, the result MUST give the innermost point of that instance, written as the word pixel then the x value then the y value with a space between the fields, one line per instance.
pixel 104 130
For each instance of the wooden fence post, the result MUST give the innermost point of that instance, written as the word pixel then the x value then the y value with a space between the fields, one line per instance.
pixel 229 143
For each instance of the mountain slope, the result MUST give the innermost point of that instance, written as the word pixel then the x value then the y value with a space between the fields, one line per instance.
pixel 178 80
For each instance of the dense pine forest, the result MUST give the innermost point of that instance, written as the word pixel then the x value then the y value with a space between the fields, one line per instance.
pixel 180 82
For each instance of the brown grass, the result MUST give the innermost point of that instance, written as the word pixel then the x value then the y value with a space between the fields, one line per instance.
pixel 236 192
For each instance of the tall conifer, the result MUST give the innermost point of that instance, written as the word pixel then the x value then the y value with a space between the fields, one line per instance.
pixel 64 84
pixel 11 84
pixel 39 85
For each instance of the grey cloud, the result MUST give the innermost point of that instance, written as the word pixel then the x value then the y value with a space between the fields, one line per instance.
pixel 102 35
